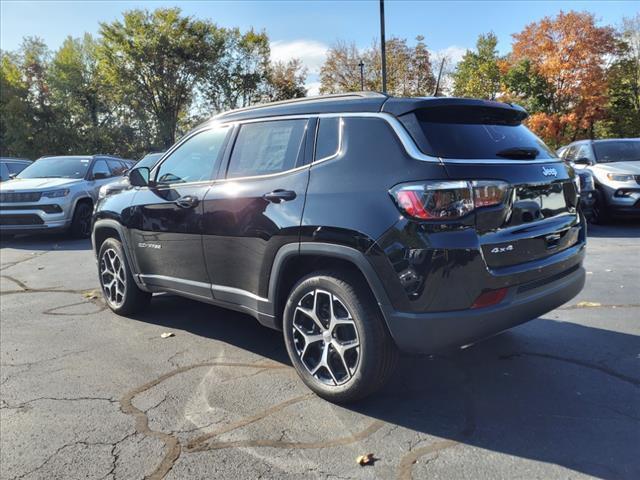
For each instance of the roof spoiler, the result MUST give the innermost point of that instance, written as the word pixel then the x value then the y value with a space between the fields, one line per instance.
pixel 403 106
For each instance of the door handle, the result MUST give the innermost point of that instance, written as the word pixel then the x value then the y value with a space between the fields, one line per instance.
pixel 187 201
pixel 279 195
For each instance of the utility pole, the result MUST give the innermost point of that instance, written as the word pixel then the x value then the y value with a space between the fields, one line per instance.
pixel 361 65
pixel 435 92
pixel 384 48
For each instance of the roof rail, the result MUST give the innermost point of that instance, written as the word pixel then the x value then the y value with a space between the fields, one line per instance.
pixel 314 98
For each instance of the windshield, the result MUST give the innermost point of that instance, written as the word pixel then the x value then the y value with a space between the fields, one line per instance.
pixel 477 134
pixel 57 167
pixel 607 152
pixel 149 160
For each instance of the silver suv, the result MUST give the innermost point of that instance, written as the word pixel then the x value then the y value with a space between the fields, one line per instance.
pixel 57 194
pixel 615 165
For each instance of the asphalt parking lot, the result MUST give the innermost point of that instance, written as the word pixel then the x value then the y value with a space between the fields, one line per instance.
pixel 87 394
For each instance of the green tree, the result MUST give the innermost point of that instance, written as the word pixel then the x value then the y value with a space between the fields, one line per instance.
pixel 523 83
pixel 31 125
pixel 14 112
pixel 478 73
pixel 159 58
pixel 79 91
pixel 623 119
pixel 235 79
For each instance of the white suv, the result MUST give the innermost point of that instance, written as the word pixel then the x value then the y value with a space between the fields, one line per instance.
pixel 57 194
pixel 615 166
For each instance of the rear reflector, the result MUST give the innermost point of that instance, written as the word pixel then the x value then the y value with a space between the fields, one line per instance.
pixel 492 297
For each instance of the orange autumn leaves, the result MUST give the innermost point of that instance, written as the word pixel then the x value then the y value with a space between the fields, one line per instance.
pixel 570 53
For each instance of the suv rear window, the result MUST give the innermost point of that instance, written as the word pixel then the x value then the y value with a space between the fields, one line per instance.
pixel 473 133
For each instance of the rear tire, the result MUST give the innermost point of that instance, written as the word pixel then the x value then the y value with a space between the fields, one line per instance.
pixel 81 222
pixel 336 337
pixel 119 289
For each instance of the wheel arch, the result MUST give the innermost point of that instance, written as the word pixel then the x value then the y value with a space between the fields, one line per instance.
pixel 294 261
pixel 107 228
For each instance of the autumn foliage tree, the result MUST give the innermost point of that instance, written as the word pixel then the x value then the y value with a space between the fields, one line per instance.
pixel 567 57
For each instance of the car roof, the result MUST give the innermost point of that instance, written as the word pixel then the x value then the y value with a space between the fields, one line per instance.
pixel 358 102
pixel 11 159
pixel 607 140
pixel 88 157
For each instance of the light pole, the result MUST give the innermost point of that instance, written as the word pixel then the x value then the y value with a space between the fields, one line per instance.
pixel 383 49
pixel 361 65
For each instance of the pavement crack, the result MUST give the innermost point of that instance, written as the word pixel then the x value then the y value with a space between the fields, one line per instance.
pixel 173 448
pixel 581 363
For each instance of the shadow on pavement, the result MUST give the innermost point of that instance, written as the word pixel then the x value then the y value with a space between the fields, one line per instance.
pixel 45 242
pixel 615 229
pixel 542 391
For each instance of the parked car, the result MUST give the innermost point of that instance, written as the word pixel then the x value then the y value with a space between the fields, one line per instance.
pixel 615 166
pixel 10 167
pixel 149 160
pixel 57 193
pixel 360 225
pixel 588 192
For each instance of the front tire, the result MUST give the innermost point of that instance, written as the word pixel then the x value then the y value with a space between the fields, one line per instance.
pixel 599 212
pixel 119 289
pixel 336 337
pixel 81 222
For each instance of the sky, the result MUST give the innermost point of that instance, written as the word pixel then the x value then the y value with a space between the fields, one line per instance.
pixel 306 29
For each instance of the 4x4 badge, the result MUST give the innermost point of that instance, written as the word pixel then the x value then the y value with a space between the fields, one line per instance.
pixel 549 172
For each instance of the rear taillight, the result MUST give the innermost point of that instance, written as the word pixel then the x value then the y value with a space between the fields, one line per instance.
pixel 447 200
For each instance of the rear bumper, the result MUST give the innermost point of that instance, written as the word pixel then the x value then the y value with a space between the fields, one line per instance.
pixel 433 332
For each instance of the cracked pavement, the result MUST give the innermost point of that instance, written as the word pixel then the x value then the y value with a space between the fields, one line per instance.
pixel 87 394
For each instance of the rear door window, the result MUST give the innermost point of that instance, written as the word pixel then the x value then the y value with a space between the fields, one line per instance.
pixel 117 168
pixel 263 148
pixel 475 133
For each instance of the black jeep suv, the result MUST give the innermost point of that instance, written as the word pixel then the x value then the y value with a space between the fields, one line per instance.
pixel 360 225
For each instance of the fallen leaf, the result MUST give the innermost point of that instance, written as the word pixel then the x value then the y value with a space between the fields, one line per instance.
pixel 91 295
pixel 588 304
pixel 366 459
pixel 167 335
pixel 40 268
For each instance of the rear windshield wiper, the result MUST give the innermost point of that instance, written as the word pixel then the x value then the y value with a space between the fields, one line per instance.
pixel 519 153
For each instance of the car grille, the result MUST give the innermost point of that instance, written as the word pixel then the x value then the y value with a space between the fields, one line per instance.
pixel 20 220
pixel 16 197
pixel 45 208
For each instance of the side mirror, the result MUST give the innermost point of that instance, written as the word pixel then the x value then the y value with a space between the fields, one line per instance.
pixel 12 176
pixel 139 177
pixel 582 161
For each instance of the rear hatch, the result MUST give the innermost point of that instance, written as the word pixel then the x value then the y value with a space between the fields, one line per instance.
pixel 486 141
